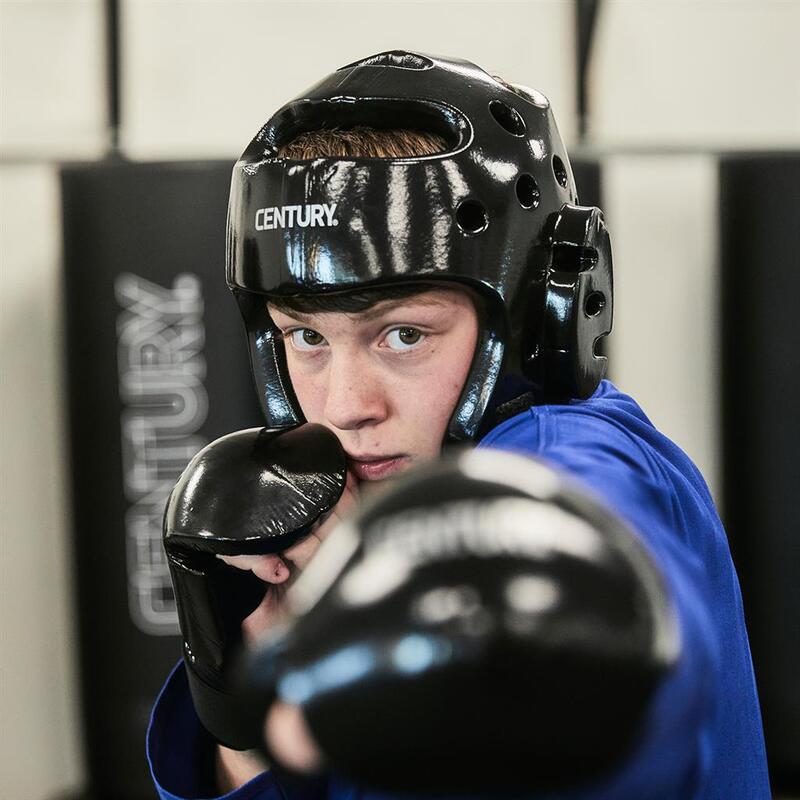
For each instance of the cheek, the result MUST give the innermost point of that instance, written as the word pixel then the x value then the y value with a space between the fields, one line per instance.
pixel 458 357
pixel 429 400
pixel 309 388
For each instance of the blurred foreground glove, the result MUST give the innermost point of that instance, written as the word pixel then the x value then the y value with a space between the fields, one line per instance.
pixel 483 626
pixel 252 492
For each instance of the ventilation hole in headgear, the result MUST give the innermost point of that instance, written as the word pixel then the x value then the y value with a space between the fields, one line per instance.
pixel 471 217
pixel 507 118
pixel 560 171
pixel 594 304
pixel 393 58
pixel 527 191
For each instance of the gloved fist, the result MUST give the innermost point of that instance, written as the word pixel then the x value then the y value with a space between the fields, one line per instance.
pixel 257 491
pixel 484 626
pixel 279 570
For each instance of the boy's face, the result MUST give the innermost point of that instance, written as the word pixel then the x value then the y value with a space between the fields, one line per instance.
pixel 385 380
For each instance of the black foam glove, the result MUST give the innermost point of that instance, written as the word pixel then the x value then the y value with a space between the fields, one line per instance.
pixel 482 627
pixel 253 491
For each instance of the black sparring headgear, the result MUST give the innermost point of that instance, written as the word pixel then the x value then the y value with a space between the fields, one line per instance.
pixel 495 211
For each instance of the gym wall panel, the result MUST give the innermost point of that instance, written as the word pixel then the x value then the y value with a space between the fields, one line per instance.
pixel 759 226
pixel 199 79
pixel 42 741
pixel 158 367
pixel 662 214
pixel 700 73
pixel 52 79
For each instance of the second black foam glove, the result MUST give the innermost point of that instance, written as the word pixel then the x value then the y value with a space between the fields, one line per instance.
pixel 484 626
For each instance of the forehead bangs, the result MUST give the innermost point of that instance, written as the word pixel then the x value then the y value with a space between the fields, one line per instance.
pixel 353 302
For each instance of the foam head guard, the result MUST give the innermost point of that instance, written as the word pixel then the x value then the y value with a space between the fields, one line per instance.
pixel 496 210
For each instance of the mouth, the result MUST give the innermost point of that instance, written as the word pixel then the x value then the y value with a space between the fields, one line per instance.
pixel 376 467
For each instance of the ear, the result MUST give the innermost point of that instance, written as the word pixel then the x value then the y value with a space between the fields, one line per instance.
pixel 577 306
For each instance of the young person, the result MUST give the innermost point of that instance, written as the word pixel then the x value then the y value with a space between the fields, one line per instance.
pixel 413 270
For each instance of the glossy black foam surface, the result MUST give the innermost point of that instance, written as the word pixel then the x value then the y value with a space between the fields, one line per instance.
pixel 484 621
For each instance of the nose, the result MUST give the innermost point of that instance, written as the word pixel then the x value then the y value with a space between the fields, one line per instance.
pixel 356 397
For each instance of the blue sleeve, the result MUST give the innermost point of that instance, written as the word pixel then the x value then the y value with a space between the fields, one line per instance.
pixel 672 758
pixel 702 737
pixel 182 756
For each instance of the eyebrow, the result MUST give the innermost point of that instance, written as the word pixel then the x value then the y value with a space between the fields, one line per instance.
pixel 383 306
pixel 368 314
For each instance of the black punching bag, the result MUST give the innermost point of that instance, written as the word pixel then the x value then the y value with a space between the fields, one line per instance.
pixel 156 365
pixel 760 272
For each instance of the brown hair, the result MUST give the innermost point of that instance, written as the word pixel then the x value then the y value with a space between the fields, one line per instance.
pixel 362 142
pixel 348 302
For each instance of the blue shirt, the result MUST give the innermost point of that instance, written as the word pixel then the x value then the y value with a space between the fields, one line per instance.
pixel 703 738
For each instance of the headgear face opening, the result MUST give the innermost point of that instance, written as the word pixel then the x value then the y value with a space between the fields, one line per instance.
pixel 496 211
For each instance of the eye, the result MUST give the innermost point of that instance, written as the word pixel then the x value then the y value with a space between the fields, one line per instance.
pixel 404 338
pixel 306 338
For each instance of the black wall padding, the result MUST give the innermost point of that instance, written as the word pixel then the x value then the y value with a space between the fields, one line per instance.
pixel 156 364
pixel 760 285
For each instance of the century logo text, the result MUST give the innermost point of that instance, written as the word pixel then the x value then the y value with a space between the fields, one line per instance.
pixel 315 215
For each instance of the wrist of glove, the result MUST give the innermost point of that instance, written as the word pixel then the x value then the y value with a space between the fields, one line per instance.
pixel 482 627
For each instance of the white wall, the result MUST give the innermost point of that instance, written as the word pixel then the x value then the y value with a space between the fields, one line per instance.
pixel 52 106
pixel 40 752
pixel 707 73
pixel 679 80
pixel 201 83
pixel 52 79
pixel 664 351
